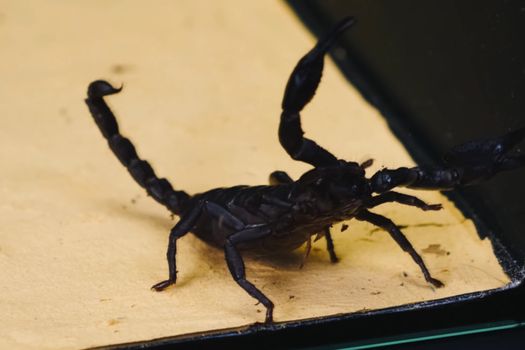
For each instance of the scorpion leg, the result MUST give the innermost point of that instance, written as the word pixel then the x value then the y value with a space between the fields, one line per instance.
pixel 387 225
pixel 236 264
pixel 467 164
pixel 182 227
pixel 401 198
pixel 186 223
pixel 330 245
pixel 306 251
pixel 300 89
pixel 160 189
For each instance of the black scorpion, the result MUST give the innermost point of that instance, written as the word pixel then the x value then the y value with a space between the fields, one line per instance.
pixel 285 214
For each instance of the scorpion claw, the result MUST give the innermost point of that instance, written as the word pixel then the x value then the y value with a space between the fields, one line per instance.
pixel 478 152
pixel 481 159
pixel 467 164
pixel 159 287
pixel 101 88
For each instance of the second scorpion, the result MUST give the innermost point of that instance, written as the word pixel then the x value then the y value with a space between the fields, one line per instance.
pixel 287 213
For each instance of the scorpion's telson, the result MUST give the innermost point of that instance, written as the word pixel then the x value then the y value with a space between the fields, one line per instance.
pixel 286 214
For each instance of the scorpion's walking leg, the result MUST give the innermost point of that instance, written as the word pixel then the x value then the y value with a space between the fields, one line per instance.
pixel 330 245
pixel 401 198
pixel 158 188
pixel 186 223
pixel 236 264
pixel 467 164
pixel 299 91
pixel 182 227
pixel 387 225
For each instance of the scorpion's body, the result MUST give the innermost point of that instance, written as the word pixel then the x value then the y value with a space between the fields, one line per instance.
pixel 292 211
pixel 285 214
pixel 256 205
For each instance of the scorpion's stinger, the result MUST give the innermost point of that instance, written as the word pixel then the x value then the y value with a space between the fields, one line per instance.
pixel 160 189
pixel 300 89
pixel 101 88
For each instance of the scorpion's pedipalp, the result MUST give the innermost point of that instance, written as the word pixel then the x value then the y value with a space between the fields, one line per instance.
pixel 300 89
pixel 442 179
pixel 487 151
pixel 466 164
pixel 512 162
pixel 158 188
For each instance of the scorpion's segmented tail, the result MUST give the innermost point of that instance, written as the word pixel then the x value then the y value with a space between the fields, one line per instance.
pixel 160 189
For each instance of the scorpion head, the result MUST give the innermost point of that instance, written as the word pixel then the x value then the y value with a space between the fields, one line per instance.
pixel 339 187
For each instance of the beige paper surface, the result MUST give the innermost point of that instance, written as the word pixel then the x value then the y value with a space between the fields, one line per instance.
pixel 81 243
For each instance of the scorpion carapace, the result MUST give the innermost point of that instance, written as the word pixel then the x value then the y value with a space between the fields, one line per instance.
pixel 285 214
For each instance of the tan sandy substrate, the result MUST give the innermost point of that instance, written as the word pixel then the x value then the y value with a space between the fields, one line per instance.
pixel 81 244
